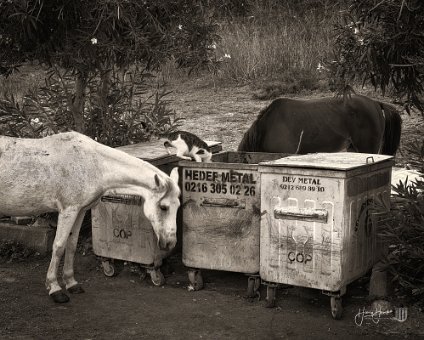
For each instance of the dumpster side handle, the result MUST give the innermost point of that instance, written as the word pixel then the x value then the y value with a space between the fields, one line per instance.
pixel 305 214
pixel 224 203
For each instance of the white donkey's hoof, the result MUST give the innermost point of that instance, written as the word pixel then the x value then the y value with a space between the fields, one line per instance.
pixel 76 289
pixel 59 297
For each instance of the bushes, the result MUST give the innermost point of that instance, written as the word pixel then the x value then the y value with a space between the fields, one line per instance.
pixel 127 113
pixel 381 43
pixel 11 251
pixel 404 231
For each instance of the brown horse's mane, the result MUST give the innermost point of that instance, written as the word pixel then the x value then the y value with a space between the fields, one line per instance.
pixel 252 138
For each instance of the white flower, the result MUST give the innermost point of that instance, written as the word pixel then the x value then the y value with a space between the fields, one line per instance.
pixel 180 27
pixel 94 41
pixel 227 56
pixel 35 120
pixel 213 46
pixel 321 67
pixel 356 30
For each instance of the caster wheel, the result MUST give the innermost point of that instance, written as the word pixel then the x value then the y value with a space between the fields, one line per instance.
pixel 253 284
pixel 270 296
pixel 196 279
pixel 157 277
pixel 142 273
pixel 112 267
pixel 336 307
pixel 166 267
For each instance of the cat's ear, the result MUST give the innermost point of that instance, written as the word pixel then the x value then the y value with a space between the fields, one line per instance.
pixel 166 144
pixel 201 152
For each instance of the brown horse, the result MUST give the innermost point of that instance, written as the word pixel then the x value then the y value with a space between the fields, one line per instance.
pixel 353 123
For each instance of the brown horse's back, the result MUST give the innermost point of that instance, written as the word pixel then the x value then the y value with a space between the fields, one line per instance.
pixel 331 124
pixel 297 125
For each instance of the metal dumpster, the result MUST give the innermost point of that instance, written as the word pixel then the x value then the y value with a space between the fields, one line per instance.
pixel 220 203
pixel 317 229
pixel 120 231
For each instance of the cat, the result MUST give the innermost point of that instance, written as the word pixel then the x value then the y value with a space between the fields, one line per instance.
pixel 188 146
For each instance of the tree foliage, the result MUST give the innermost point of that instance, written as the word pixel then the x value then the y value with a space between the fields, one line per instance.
pixel 94 40
pixel 86 35
pixel 382 42
pixel 131 113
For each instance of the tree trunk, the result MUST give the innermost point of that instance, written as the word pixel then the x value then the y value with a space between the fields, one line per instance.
pixel 77 106
pixel 103 92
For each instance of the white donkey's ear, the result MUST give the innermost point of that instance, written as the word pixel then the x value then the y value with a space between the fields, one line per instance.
pixel 159 182
pixel 174 175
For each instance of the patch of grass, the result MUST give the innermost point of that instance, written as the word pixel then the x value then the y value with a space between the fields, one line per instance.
pixel 279 44
pixel 19 83
pixel 12 251
pixel 280 40
pixel 289 85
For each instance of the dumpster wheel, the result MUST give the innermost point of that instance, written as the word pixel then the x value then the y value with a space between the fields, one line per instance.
pixel 336 307
pixel 195 278
pixel 157 277
pixel 271 290
pixel 253 285
pixel 142 273
pixel 112 267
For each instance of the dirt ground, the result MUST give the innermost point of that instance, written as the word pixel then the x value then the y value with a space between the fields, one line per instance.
pixel 123 307
pixel 126 307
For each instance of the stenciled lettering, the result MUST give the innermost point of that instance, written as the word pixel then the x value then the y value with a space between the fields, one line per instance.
pixel 299 257
pixel 122 233
pixel 215 176
pixel 309 180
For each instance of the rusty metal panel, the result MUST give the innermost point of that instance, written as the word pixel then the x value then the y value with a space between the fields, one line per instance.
pixel 221 215
pixel 315 225
pixel 121 231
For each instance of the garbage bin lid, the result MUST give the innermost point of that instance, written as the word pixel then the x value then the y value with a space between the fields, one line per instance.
pixel 332 161
pixel 155 153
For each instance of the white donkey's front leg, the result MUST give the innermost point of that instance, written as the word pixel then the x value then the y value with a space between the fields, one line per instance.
pixel 68 267
pixel 65 223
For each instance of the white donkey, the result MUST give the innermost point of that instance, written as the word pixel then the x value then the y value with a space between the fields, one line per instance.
pixel 69 173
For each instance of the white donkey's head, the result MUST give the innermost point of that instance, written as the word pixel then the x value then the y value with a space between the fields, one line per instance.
pixel 161 209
